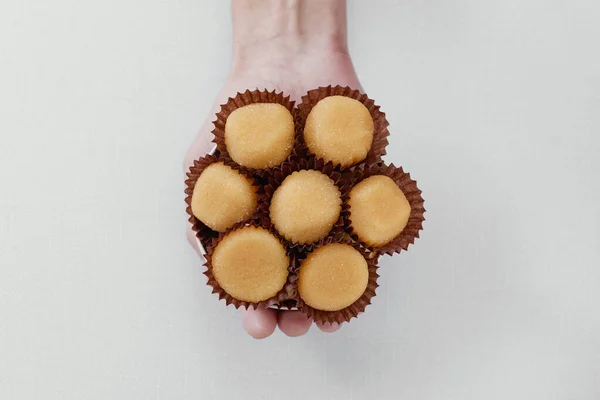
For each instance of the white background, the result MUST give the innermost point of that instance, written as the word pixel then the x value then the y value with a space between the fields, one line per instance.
pixel 495 110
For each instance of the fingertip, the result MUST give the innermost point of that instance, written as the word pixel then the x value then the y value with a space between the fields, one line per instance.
pixel 294 323
pixel 259 323
pixel 328 327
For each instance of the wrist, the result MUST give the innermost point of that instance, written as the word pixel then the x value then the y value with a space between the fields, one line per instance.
pixel 277 30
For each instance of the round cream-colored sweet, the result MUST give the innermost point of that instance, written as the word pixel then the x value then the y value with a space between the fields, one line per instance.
pixel 333 277
pixel 379 211
pixel 305 206
pixel 223 197
pixel 260 135
pixel 339 129
pixel 250 264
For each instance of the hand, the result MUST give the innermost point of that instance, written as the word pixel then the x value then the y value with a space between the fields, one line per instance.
pixel 292 49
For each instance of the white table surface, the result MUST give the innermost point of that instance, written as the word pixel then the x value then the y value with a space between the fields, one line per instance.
pixel 494 108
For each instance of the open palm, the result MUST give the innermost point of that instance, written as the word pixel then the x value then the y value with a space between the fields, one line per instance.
pixel 293 72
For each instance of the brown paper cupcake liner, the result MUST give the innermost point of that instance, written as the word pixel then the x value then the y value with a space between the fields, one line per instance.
pixel 300 149
pixel 353 310
pixel 244 99
pixel 203 232
pixel 380 134
pixel 275 176
pixel 286 296
pixel 413 195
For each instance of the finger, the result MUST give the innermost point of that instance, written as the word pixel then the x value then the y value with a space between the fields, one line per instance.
pixel 294 323
pixel 328 327
pixel 201 146
pixel 193 241
pixel 260 323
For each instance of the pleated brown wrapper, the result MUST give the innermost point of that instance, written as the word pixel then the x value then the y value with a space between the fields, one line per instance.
pixel 380 132
pixel 244 99
pixel 203 232
pixel 413 195
pixel 353 310
pixel 285 298
pixel 274 177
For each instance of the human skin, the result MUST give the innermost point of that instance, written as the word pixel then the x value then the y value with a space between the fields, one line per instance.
pixel 290 46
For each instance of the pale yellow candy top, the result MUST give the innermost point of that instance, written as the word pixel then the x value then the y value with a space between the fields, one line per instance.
pixel 250 264
pixel 306 206
pixel 378 209
pixel 333 277
pixel 339 129
pixel 223 197
pixel 260 135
